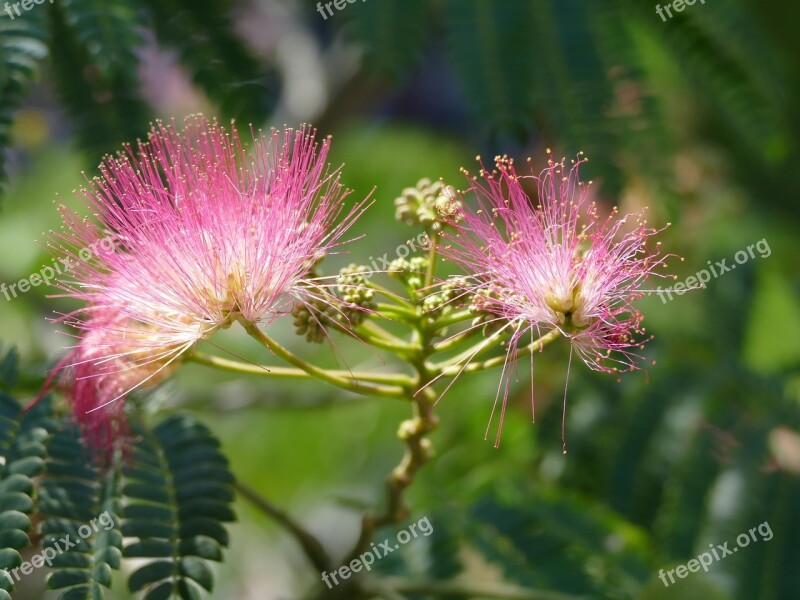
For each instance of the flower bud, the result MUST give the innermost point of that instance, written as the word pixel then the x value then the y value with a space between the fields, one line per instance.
pixel 429 204
pixel 358 298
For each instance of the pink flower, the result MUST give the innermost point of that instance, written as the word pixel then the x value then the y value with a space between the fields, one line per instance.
pixel 113 356
pixel 203 233
pixel 556 265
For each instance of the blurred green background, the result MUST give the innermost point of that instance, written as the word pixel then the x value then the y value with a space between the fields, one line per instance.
pixel 695 117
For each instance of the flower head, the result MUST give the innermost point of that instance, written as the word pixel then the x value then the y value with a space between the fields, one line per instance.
pixel 204 233
pixel 114 356
pixel 556 265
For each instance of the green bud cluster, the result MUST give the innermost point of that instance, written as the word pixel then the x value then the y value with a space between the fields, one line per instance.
pixel 310 320
pixel 429 204
pixel 352 287
pixel 439 304
pixel 411 271
pixel 348 310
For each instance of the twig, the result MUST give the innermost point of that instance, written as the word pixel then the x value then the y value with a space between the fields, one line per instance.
pixel 419 451
pixel 310 544
pixel 346 383
pixel 450 368
pixel 234 366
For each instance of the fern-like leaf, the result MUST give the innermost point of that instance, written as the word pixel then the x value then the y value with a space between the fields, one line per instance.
pixel 562 542
pixel 216 58
pixel 392 33
pixel 79 503
pixel 492 49
pixel 728 60
pixel 105 105
pixel 23 45
pixel 23 435
pixel 108 31
pixel 9 369
pixel 179 493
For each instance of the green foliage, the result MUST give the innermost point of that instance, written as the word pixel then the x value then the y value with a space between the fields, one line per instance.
pixel 689 589
pixel 172 492
pixel 107 30
pixel 218 61
pixel 96 69
pixel 556 541
pixel 101 97
pixel 78 500
pixel 180 493
pixel 393 34
pixel 445 562
pixel 491 47
pixel 726 56
pixel 23 435
pixel 9 368
pixel 583 73
pixel 765 565
pixel 23 44
pixel 774 295
pixel 654 472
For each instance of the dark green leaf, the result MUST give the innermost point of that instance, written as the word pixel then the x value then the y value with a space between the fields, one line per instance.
pixel 163 591
pixel 150 573
pixel 147 529
pixel 202 546
pixel 67 578
pixel 149 549
pixel 149 512
pixel 197 570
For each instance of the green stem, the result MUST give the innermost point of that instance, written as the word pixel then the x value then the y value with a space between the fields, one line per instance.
pixel 452 319
pixel 455 340
pixel 391 295
pixel 386 340
pixel 234 366
pixel 376 336
pixel 431 270
pixel 345 382
pixel 400 312
pixel 490 342
pixel 419 450
pixel 453 367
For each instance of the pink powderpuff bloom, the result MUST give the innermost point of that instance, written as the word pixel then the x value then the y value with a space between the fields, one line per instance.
pixel 555 266
pixel 191 233
pixel 112 357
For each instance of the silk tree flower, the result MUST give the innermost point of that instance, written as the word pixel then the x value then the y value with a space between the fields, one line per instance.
pixel 205 233
pixel 113 356
pixel 556 265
